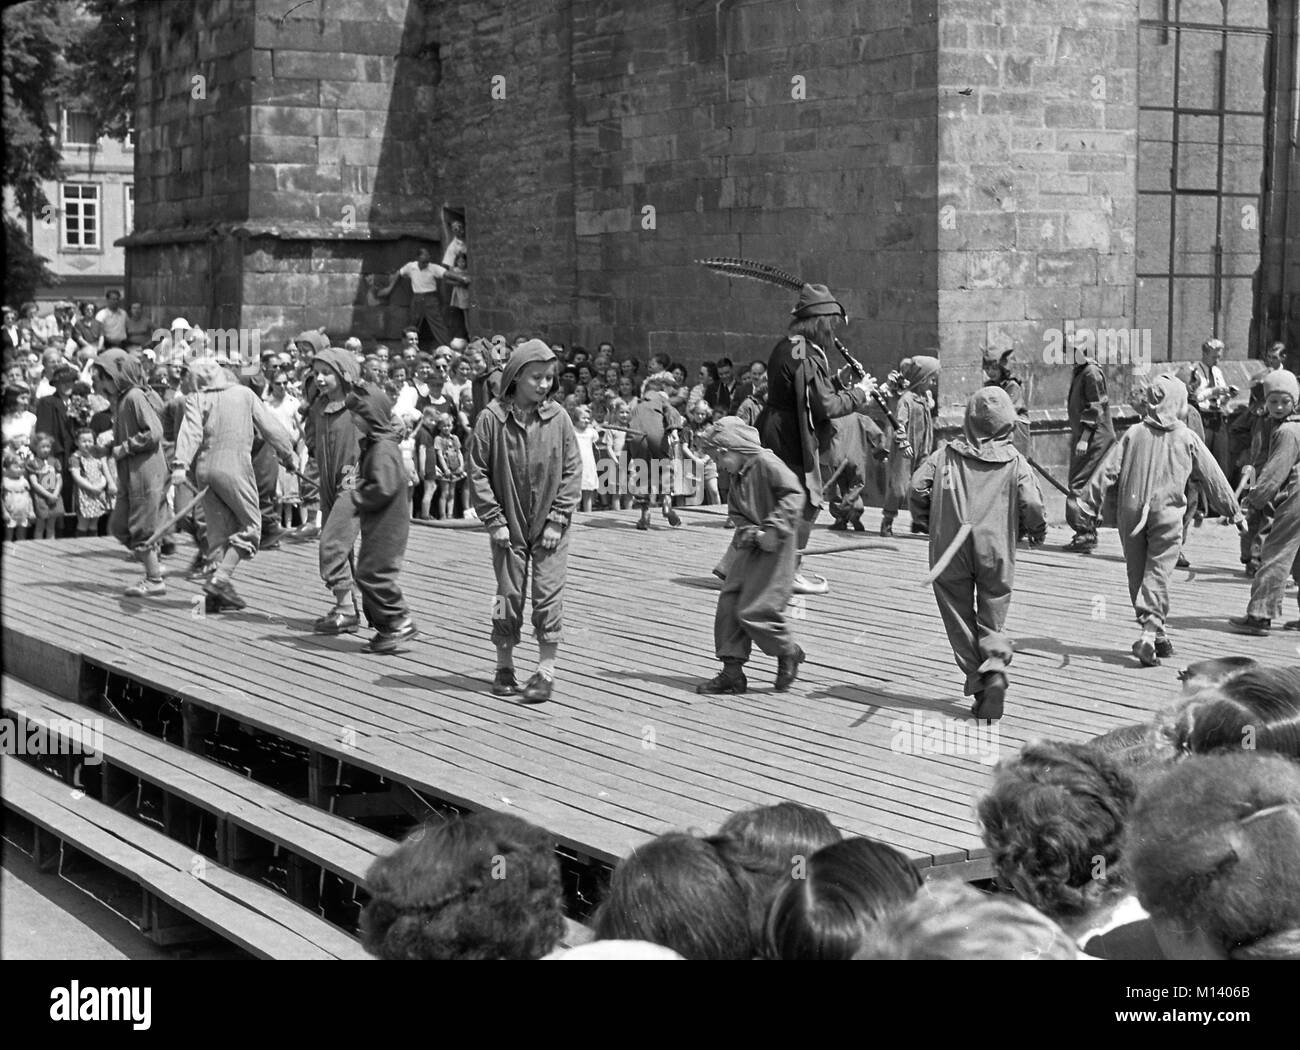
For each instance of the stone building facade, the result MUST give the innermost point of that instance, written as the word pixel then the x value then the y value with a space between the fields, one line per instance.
pixel 962 172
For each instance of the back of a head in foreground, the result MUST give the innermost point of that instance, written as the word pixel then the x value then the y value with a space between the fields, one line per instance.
pixel 486 886
pixel 825 911
pixel 1214 854
pixel 1256 710
pixel 781 833
pixel 683 892
pixel 950 920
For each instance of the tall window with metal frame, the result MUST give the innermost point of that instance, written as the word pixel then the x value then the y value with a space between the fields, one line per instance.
pixel 1203 103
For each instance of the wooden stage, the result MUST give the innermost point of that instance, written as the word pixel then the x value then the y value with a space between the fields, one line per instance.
pixel 627 749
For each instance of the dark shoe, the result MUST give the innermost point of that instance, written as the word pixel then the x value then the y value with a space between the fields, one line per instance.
pixel 1164 647
pixel 787 669
pixel 390 641
pixel 1082 542
pixel 988 701
pixel 224 594
pixel 1256 625
pixel 643 525
pixel 1291 625
pixel 1182 562
pixel 857 523
pixel 887 527
pixel 730 523
pixel 674 519
pixel 839 525
pixel 504 682
pixel 1251 569
pixel 167 548
pixel 336 621
pixel 307 532
pixel 199 569
pixel 727 681
pixel 1145 650
pixel 538 689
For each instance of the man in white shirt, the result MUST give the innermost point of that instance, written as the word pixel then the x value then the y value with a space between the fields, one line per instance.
pixel 456 257
pixel 426 304
pixel 113 318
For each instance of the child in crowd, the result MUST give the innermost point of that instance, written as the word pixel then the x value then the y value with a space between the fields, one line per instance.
pixel 651 444
pixel 95 490
pixel 136 449
pixel 46 482
pixel 380 503
pixel 974 497
pixel 1278 486
pixel 766 502
pixel 585 432
pixel 449 462
pixel 700 472
pixel 426 463
pixel 404 426
pixel 18 509
pixel 914 438
pixel 526 472
pixel 1148 471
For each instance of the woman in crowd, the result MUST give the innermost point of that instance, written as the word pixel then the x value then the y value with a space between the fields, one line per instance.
pixel 1054 823
pixel 1214 850
pixel 88 332
pixel 486 886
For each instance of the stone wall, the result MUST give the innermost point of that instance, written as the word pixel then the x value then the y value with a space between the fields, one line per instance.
pixel 1037 182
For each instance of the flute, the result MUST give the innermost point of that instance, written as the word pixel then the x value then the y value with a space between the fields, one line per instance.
pixel 861 372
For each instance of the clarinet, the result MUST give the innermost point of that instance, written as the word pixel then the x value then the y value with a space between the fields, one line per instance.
pixel 861 372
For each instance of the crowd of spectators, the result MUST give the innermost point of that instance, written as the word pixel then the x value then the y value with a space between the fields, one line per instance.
pixel 59 480
pixel 1178 838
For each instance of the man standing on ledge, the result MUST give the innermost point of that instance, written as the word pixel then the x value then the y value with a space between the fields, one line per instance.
pixel 1091 435
pixel 803 396
pixel 426 304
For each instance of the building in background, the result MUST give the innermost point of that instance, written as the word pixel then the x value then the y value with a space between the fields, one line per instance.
pixel 89 210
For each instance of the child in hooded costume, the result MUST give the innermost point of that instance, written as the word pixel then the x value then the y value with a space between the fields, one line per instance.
pixel 138 458
pixel 1142 483
pixel 526 476
pixel 384 515
pixel 999 372
pixel 222 419
pixel 986 495
pixel 331 434
pixel 857 443
pixel 766 501
pixel 914 438
pixel 1277 487
pixel 652 438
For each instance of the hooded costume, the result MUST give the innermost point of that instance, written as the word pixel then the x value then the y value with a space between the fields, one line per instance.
pixel 524 473
pixel 137 449
pixel 986 483
pixel 379 500
pixel 1088 408
pixel 1278 487
pixel 1141 485
pixel 915 429
pixel 221 423
pixel 648 429
pixel 803 396
pixel 857 444
pixel 767 496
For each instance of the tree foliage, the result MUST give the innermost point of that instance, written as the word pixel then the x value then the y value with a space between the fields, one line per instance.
pixel 101 65
pixel 36 39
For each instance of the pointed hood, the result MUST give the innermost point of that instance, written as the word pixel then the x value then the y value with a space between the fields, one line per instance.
pixel 989 426
pixel 731 434
pixel 1166 398
pixel 126 374
pixel 920 372
pixel 528 353
pixel 373 405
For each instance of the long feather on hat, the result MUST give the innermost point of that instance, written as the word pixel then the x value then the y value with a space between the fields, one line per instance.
pixel 754 271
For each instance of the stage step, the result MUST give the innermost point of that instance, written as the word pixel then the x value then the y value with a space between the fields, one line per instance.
pixel 244 912
pixel 244 814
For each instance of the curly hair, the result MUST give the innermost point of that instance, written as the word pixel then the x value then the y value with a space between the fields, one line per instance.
pixel 825 911
pixel 1054 811
pixel 950 920
pixel 1257 710
pixel 1214 846
pixel 486 886
pixel 683 892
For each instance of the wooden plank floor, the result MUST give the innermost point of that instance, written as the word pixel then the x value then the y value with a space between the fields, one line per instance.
pixel 627 749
